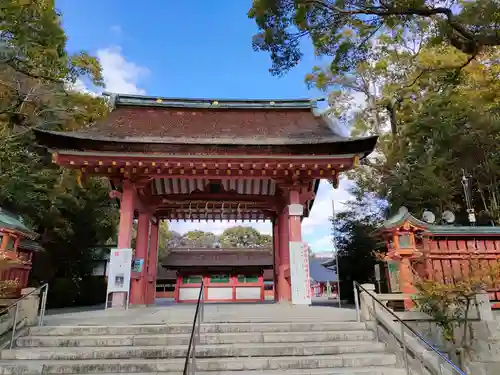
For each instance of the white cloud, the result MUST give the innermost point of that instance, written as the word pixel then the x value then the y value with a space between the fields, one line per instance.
pixel 322 245
pixel 120 76
pixel 322 209
pixel 80 86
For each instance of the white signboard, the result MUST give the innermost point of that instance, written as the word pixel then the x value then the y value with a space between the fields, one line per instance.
pixel 299 273
pixel 119 271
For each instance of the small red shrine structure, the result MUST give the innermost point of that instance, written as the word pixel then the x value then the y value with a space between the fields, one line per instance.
pixel 440 252
pixel 17 245
pixel 229 275
pixel 197 159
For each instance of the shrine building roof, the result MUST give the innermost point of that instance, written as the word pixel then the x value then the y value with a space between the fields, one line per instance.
pixel 13 223
pixel 145 123
pixel 203 257
pixel 404 216
pixel 319 272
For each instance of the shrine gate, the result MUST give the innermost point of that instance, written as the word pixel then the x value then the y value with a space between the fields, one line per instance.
pixel 195 159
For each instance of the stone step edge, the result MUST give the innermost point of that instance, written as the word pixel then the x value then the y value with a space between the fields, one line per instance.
pixel 205 346
pixel 184 335
pixel 187 324
pixel 320 371
pixel 9 362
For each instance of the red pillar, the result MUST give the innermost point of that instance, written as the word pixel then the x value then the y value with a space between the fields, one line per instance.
pixel 152 264
pixel 139 282
pixel 284 288
pixel 127 205
pixel 276 252
pixel 406 281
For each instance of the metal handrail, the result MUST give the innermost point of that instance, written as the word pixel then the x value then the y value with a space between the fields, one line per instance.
pixel 195 335
pixel 44 289
pixel 404 325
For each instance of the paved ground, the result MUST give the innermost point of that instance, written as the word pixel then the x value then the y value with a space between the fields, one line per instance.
pixel 180 313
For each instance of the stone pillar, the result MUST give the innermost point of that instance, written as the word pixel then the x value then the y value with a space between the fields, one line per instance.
pixel 139 282
pixel 152 263
pixel 284 287
pixel 366 302
pixel 28 307
pixel 127 205
pixel 295 211
pixel 406 280
pixel 484 307
pixel 276 258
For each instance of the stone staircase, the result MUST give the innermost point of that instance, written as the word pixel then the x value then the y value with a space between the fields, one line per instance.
pixel 259 348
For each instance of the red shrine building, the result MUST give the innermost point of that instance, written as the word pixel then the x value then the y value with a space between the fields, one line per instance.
pixel 229 275
pixel 197 159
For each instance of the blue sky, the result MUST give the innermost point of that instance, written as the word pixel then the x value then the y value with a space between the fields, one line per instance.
pixel 191 49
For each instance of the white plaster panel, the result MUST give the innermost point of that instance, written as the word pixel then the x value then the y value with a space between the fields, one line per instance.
pixel 189 294
pixel 220 293
pixel 248 293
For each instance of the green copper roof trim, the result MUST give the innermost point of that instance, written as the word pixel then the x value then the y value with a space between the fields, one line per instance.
pixel 155 101
pixel 10 221
pixel 403 215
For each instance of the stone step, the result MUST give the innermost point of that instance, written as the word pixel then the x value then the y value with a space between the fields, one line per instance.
pixel 186 328
pixel 183 339
pixel 203 364
pixel 375 370
pixel 202 351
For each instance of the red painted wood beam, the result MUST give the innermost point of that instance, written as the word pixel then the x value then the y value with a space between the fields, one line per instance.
pixel 341 162
pixel 228 198
pixel 142 173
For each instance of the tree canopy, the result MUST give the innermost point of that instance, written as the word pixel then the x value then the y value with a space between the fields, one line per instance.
pixel 36 79
pixel 346 30
pixel 241 236
pixel 424 77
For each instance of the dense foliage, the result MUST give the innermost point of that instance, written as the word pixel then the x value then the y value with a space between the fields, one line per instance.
pixel 424 76
pixel 238 236
pixel 36 76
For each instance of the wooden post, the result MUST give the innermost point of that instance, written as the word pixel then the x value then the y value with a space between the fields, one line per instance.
pixel 127 205
pixel 138 282
pixel 152 264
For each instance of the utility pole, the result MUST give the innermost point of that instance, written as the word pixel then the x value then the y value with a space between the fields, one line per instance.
pixel 468 197
pixel 335 251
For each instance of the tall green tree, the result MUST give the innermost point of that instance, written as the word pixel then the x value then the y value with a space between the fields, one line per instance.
pixel 199 238
pixel 241 236
pixel 36 79
pixel 356 240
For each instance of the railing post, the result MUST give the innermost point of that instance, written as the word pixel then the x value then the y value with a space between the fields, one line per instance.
pixel 356 301
pixel 405 351
pixel 45 291
pixel 364 300
pixel 14 326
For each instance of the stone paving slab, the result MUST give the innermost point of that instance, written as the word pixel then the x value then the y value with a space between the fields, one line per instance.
pixel 212 313
pixel 183 339
pixel 203 364
pixel 321 371
pixel 177 328
pixel 202 351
